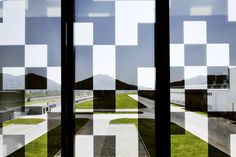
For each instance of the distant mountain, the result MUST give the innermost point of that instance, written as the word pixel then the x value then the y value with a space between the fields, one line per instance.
pixel 13 82
pixel 177 84
pixel 103 82
pixel 85 84
pixel 199 80
pixel 52 85
pixel 124 86
pixel 33 81
pixel 17 82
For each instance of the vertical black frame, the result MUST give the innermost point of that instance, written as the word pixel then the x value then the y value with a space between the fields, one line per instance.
pixel 68 78
pixel 162 103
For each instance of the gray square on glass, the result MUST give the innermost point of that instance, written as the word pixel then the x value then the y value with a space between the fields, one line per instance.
pixel 195 55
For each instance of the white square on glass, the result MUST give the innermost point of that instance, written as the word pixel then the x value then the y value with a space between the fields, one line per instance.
pixel 217 54
pixel 83 33
pixel 195 77
pixel 176 54
pixel 146 78
pixel 36 55
pixel 104 62
pixel 195 32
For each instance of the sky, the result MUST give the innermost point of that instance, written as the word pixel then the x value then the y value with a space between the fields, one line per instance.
pixel 127 58
pixel 46 32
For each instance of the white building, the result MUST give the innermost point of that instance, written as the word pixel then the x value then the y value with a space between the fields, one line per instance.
pixel 218 99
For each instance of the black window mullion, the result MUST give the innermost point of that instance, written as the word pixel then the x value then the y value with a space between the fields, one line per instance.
pixel 68 79
pixel 162 109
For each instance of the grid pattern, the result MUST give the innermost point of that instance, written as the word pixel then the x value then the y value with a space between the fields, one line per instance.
pixel 29 60
pixel 121 58
pixel 202 57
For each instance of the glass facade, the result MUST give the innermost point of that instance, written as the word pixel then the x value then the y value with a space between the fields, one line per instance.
pixel 79 77
pixel 30 78
pixel 114 78
pixel 202 63
pixel 114 88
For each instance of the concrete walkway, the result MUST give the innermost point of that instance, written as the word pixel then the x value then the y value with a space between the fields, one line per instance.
pixel 148 112
pixel 145 101
pixel 127 140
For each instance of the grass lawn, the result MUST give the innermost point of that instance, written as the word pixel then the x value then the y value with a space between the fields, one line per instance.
pixel 122 112
pixel 202 113
pixel 50 100
pixel 23 121
pixel 146 129
pixel 176 105
pixel 199 112
pixel 133 93
pixel 46 145
pixel 123 101
pixel 187 145
pixel 85 105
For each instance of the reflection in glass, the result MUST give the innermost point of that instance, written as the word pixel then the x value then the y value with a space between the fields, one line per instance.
pixel 115 78
pixel 202 60
pixel 30 85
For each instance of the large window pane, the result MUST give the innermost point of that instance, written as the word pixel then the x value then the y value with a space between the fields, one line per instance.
pixel 30 78
pixel 115 78
pixel 202 60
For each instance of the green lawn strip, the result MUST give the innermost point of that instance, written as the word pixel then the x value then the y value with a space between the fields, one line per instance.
pixel 131 93
pixel 23 121
pixel 176 105
pixel 85 105
pixel 121 112
pixel 187 145
pixel 198 112
pixel 42 101
pixel 202 113
pixel 125 121
pixel 46 145
pixel 146 129
pixel 123 101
